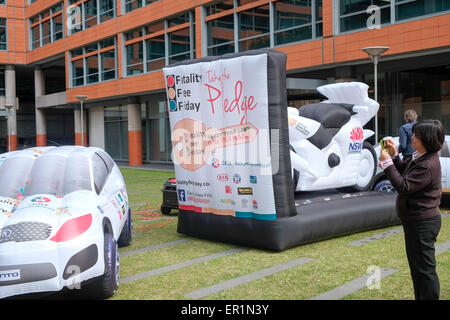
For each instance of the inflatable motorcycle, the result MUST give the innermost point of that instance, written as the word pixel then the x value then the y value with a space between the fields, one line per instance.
pixel 328 147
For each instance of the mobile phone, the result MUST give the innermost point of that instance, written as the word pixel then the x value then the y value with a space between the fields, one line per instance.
pixel 382 145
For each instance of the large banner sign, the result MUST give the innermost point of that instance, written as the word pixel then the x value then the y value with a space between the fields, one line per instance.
pixel 219 120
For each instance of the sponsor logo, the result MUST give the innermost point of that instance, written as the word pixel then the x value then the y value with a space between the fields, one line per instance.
pixel 245 191
pixel 181 195
pixel 255 204
pixel 236 178
pixel 356 136
pixel 228 201
pixel 215 163
pixel 10 275
pixel 40 200
pixel 5 233
pixel 244 203
pixel 223 177
pixel 179 98
pixel 253 179
pixel 227 189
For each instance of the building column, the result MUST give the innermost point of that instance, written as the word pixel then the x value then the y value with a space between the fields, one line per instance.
pixel 11 105
pixel 134 134
pixel 97 127
pixel 39 90
pixel 77 119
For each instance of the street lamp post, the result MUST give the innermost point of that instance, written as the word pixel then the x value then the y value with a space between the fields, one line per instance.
pixel 81 98
pixel 375 54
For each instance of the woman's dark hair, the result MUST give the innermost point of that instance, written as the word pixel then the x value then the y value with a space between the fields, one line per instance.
pixel 431 133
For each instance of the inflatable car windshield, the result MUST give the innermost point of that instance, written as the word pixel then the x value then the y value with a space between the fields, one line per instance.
pixel 63 211
pixel 328 148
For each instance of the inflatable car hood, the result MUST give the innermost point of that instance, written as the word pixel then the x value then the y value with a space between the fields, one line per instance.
pixel 231 151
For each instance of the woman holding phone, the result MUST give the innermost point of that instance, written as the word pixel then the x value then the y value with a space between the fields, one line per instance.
pixel 418 183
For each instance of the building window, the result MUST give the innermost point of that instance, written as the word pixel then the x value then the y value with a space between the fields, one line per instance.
pixel 92 12
pixel 3 34
pixel 156 141
pixel 116 132
pixel 47 26
pixel 146 48
pixel 354 15
pixel 94 63
pixel 131 5
pixel 2 2
pixel 260 25
pixel 296 20
pixel 411 9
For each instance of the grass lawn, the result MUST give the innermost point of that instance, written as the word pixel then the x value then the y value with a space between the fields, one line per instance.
pixel 335 262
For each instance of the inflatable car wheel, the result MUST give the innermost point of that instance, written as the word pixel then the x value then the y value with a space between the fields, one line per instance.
pixel 165 210
pixel 384 186
pixel 127 232
pixel 367 168
pixel 106 285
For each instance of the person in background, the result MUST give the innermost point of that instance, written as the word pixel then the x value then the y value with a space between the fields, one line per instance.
pixel 405 133
pixel 418 183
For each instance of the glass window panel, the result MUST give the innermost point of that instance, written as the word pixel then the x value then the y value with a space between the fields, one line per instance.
pixel 179 20
pixel 35 37
pixel 420 7
pixel 46 32
pixel 57 27
pixel 134 34
pixel 219 7
pixel 255 43
pixel 155 53
pixel 220 50
pixel 254 22
pixel 293 35
pixel 359 21
pixel 57 8
pixel 133 5
pixel 154 27
pixel 135 58
pixel 221 30
pixel 45 14
pixel 92 69
pixel 292 13
pixel 34 19
pixel 77 73
pixel 107 43
pixel 91 48
pixel 179 57
pixel 106 10
pixel 319 10
pixel 353 6
pixel 179 41
pixel 108 65
pixel 90 13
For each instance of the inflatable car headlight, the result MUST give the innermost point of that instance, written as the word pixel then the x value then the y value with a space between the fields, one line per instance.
pixel 73 228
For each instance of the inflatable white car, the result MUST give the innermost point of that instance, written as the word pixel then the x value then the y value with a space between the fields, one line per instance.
pixel 63 211
pixel 328 147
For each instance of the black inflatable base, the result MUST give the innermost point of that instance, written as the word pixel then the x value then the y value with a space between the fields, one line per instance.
pixel 320 216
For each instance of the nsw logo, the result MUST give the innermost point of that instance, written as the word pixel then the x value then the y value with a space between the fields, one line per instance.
pixel 356 136
pixel 236 178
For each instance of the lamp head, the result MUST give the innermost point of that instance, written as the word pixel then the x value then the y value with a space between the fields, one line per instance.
pixel 81 97
pixel 376 51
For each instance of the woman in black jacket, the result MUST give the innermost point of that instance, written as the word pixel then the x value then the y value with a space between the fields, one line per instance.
pixel 418 183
